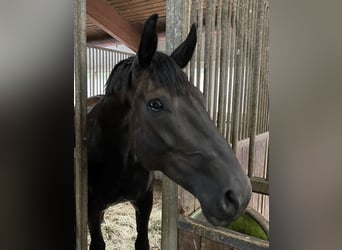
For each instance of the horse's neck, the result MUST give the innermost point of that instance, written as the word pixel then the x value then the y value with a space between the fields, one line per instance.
pixel 106 128
pixel 116 130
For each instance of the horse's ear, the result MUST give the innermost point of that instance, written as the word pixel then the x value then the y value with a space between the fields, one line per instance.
pixel 183 53
pixel 149 41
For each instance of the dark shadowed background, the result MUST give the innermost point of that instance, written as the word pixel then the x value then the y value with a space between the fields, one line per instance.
pixel 36 119
pixel 305 124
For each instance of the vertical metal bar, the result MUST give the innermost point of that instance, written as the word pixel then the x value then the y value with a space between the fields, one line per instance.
pixel 209 13
pixel 212 56
pixel 199 43
pixel 80 151
pixel 217 63
pixel 92 71
pixel 231 66
pixel 103 67
pixel 238 74
pixel 98 71
pixel 89 72
pixel 261 83
pixel 112 61
pixel 186 27
pixel 251 63
pixel 265 71
pixel 225 61
pixel 223 67
pixel 108 63
pixel 261 107
pixel 102 70
pixel 265 65
pixel 107 69
pixel 256 83
pixel 243 71
pixel 246 87
pixel 193 19
pixel 246 69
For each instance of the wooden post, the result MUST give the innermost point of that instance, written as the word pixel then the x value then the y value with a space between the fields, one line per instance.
pixel 174 17
pixel 80 151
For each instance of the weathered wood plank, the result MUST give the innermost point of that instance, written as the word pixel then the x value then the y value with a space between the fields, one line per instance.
pixel 188 241
pixel 80 151
pixel 260 185
pixel 174 21
pixel 221 235
pixel 208 244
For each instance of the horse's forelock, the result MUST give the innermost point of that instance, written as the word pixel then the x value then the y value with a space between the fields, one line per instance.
pixel 163 69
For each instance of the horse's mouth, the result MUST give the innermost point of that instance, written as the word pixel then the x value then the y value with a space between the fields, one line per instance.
pixel 219 222
pixel 223 221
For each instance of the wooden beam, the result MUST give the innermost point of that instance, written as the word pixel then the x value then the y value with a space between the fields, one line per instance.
pixel 260 185
pixel 80 151
pixel 175 24
pixel 109 20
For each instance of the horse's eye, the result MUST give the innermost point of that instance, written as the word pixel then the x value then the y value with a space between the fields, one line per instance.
pixel 155 105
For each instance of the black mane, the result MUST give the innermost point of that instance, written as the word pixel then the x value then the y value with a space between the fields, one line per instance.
pixel 119 78
pixel 164 71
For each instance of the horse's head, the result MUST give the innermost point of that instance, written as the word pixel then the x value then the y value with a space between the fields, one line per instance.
pixel 171 131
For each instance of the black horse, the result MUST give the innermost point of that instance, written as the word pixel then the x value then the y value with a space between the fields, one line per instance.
pixel 152 118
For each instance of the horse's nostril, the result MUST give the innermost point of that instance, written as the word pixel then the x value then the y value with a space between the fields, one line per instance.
pixel 231 199
pixel 229 195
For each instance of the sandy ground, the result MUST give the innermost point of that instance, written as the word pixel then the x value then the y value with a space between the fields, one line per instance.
pixel 119 229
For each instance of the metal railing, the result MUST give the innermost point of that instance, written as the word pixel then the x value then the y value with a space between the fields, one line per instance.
pixel 100 62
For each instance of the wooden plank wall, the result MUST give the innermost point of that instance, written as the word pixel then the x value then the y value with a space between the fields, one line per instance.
pixel 200 235
pixel 259 202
